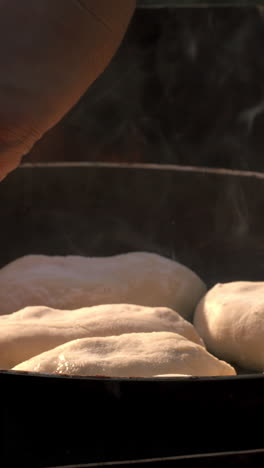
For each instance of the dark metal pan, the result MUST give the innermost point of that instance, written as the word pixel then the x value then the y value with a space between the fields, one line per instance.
pixel 196 3
pixel 241 458
pixel 211 220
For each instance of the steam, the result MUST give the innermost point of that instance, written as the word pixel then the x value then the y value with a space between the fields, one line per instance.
pixel 248 116
pixel 186 87
pixel 240 225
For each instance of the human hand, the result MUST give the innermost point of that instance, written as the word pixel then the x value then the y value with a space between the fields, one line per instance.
pixel 50 52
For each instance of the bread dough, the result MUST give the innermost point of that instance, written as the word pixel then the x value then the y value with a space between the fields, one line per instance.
pixel 73 282
pixel 171 375
pixel 36 329
pixel 230 318
pixel 129 355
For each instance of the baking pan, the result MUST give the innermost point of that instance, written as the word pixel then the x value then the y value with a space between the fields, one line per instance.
pixel 242 458
pixel 196 3
pixel 211 220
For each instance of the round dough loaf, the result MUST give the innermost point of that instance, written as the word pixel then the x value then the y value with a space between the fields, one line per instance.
pixel 36 329
pixel 130 355
pixel 230 319
pixel 73 282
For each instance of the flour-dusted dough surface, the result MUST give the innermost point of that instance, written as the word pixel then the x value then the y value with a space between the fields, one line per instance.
pixel 130 355
pixel 36 329
pixel 73 282
pixel 230 318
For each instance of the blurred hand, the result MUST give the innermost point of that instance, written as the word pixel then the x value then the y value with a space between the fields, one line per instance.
pixel 50 52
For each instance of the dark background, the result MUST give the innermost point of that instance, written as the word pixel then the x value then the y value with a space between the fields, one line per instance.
pixel 186 87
